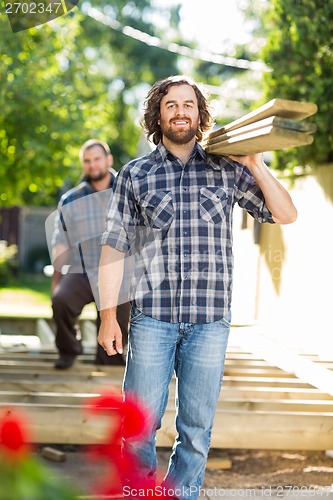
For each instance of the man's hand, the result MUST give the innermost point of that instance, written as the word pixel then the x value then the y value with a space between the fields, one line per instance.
pixel 110 336
pixel 250 161
pixel 55 282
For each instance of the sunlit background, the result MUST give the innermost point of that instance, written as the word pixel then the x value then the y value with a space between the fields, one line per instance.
pixel 87 74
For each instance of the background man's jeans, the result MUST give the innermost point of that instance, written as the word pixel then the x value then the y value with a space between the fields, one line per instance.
pixel 196 353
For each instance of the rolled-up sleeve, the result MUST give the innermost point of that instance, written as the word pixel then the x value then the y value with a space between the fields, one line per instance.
pixel 249 196
pixel 121 215
pixel 60 231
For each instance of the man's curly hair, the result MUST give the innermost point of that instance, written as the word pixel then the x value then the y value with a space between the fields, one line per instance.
pixel 152 103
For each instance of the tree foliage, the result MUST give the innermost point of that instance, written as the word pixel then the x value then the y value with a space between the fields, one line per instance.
pixel 67 81
pixel 299 51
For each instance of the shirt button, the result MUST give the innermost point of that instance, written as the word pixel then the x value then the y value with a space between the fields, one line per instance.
pixel 185 277
pixel 184 211
pixel 184 189
pixel 185 254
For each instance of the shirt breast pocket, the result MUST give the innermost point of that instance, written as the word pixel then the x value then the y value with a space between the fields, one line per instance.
pixel 213 203
pixel 157 209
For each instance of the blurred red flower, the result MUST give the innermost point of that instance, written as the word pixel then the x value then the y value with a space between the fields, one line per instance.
pixel 129 419
pixel 14 436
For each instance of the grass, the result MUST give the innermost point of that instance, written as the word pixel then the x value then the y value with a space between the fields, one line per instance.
pixel 29 295
pixel 36 286
pixel 26 295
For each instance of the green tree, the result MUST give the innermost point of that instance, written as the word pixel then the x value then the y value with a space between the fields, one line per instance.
pixel 44 106
pixel 65 82
pixel 132 65
pixel 299 52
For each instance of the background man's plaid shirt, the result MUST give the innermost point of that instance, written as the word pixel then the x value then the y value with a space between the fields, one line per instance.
pixel 188 210
pixel 79 224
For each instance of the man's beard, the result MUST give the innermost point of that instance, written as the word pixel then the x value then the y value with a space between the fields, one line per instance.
pixel 178 136
pixel 97 177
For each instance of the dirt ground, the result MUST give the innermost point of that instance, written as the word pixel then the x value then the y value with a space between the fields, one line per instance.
pixel 249 469
pixel 276 469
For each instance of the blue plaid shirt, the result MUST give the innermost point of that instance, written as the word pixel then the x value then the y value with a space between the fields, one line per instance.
pixel 175 220
pixel 79 224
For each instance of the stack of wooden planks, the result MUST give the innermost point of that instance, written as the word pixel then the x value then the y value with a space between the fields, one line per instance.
pixel 263 403
pixel 277 124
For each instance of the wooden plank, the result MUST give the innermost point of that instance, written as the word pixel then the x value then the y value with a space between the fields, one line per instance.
pixel 308 128
pixel 53 454
pixel 258 372
pixel 219 463
pixel 61 376
pixel 87 359
pixel 232 357
pixel 268 393
pixel 284 108
pixel 232 429
pixel 263 430
pixel 116 377
pixel 47 424
pixel 48 357
pixel 301 367
pixel 45 366
pixel 27 325
pixel 42 357
pixel 79 400
pixel 265 139
pixel 41 368
pixel 61 386
pixel 278 405
pixel 234 381
pixel 98 385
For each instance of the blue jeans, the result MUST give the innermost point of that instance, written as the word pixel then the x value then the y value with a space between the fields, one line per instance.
pixel 196 353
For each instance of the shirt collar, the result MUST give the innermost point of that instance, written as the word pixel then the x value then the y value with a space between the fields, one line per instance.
pixel 166 154
pixel 90 187
pixel 213 161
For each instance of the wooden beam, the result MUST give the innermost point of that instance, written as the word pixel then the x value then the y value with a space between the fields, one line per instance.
pixel 98 385
pixel 268 393
pixel 254 405
pixel 264 139
pixel 41 368
pixel 232 359
pixel 60 386
pixel 47 367
pixel 234 381
pixel 232 429
pixel 299 126
pixel 257 372
pixel 30 358
pixel 285 108
pixel 299 366
pixel 263 430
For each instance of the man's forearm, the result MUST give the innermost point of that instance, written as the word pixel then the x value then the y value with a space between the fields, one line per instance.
pixel 277 198
pixel 60 256
pixel 110 276
pixel 55 280
pixel 59 259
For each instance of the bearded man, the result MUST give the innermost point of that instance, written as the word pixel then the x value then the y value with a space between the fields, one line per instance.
pixel 180 324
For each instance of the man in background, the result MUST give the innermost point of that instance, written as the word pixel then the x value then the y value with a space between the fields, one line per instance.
pixel 76 243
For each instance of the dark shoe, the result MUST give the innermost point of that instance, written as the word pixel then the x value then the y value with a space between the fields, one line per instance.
pixel 65 361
